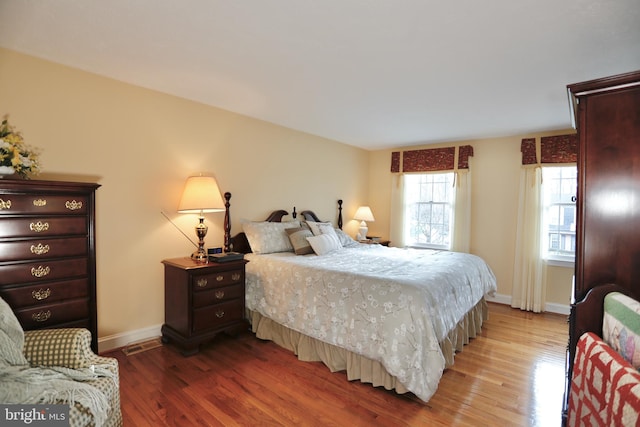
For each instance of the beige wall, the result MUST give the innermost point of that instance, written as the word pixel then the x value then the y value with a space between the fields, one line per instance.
pixel 140 146
pixel 495 172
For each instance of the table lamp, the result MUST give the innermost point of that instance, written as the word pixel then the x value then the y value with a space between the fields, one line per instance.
pixel 201 194
pixel 363 214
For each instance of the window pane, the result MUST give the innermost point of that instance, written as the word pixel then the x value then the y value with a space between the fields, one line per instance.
pixel 559 212
pixel 428 202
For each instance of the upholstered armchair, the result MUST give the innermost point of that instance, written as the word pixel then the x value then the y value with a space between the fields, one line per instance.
pixel 58 366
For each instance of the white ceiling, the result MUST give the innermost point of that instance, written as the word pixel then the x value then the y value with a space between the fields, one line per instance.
pixel 370 73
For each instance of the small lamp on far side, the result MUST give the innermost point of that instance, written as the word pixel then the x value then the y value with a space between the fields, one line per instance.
pixel 363 214
pixel 201 194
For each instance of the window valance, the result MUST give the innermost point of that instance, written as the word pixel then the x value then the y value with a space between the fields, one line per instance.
pixel 431 159
pixel 553 149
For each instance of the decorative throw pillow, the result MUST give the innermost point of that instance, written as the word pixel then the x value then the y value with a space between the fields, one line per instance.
pixel 298 238
pixel 621 326
pixel 269 237
pixel 324 244
pixel 345 240
pixel 315 227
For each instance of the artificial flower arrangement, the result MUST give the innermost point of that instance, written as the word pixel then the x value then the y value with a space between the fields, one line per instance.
pixel 15 154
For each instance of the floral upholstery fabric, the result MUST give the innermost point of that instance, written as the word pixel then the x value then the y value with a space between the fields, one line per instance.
pixel 621 326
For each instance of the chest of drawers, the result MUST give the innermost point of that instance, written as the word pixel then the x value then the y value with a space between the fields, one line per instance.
pixel 201 300
pixel 47 253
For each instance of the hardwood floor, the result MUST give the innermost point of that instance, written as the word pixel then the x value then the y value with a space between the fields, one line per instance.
pixel 510 375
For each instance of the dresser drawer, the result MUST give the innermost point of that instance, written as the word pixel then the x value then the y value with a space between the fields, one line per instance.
pixel 42 226
pixel 218 295
pixel 39 204
pixel 43 271
pixel 218 315
pixel 43 249
pixel 24 296
pixel 53 314
pixel 214 280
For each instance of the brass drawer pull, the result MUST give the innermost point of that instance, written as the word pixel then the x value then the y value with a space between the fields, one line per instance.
pixel 40 203
pixel 40 271
pixel 41 294
pixel 39 249
pixel 220 314
pixel 201 283
pixel 235 276
pixel 42 316
pixel 219 294
pixel 39 226
pixel 220 278
pixel 5 205
pixel 73 205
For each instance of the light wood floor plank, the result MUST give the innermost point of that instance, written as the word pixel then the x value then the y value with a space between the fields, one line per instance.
pixel 512 374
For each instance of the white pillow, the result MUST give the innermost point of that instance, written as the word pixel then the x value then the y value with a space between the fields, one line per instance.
pixel 324 243
pixel 269 237
pixel 315 227
pixel 345 240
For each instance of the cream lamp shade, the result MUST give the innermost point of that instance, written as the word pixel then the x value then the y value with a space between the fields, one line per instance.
pixel 363 214
pixel 201 194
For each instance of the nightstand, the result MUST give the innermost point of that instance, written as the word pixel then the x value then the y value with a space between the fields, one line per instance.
pixel 370 241
pixel 201 300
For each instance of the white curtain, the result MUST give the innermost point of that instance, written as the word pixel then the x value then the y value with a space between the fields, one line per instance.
pixel 396 232
pixel 461 240
pixel 529 287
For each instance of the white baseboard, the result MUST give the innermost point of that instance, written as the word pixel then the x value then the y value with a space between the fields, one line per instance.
pixel 550 307
pixel 124 339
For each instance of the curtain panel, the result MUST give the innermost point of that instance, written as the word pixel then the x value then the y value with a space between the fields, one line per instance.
pixel 529 276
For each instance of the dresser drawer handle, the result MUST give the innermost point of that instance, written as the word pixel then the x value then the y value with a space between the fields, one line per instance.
pixel 220 278
pixel 39 226
pixel 219 294
pixel 40 203
pixel 42 316
pixel 73 205
pixel 220 314
pixel 41 294
pixel 235 276
pixel 40 271
pixel 202 283
pixel 39 249
pixel 5 205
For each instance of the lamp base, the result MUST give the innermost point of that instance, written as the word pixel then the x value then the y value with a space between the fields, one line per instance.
pixel 362 231
pixel 200 256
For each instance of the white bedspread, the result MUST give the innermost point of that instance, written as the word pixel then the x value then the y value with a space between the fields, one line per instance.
pixel 390 305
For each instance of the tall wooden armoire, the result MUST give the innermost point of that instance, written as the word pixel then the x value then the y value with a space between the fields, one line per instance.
pixel 607 118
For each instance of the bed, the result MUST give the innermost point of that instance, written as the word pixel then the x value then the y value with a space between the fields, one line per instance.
pixel 387 316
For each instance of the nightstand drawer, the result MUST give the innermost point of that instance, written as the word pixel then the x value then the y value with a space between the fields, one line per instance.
pixel 218 315
pixel 217 279
pixel 218 295
pixel 53 314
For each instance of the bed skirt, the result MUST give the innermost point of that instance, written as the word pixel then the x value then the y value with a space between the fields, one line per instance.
pixel 359 367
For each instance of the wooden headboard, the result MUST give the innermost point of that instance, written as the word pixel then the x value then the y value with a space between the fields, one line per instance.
pixel 239 242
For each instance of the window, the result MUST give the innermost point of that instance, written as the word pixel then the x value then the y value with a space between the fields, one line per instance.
pixel 429 210
pixel 559 187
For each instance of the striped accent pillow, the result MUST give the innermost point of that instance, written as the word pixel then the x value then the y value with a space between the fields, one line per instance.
pixel 621 326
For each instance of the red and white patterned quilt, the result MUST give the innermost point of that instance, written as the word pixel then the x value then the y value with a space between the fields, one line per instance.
pixel 605 388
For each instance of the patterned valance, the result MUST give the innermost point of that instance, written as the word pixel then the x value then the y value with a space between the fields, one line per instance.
pixel 431 159
pixel 553 149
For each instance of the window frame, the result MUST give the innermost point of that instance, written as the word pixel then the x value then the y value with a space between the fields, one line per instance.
pixel 450 204
pixel 551 258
